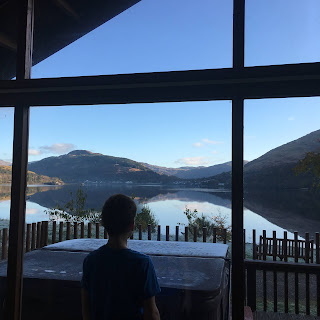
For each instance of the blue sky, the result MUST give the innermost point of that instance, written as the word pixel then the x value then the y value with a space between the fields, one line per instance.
pixel 169 35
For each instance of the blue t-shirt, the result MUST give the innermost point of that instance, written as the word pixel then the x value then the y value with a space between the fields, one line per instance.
pixel 118 280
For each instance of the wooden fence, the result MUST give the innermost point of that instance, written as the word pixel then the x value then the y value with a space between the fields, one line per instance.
pixel 40 234
pixel 283 276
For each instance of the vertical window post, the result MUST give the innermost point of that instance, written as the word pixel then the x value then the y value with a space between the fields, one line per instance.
pixel 238 274
pixel 19 166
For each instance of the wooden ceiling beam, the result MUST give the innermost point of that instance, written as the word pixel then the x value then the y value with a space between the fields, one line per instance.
pixel 7 43
pixel 66 7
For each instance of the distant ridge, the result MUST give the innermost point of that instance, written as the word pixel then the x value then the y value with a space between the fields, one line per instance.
pixel 193 172
pixel 5 163
pixel 82 166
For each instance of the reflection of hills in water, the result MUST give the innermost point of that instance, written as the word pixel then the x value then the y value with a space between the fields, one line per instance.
pixel 296 210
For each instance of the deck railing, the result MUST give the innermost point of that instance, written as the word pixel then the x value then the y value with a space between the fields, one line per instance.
pixel 40 234
pixel 283 276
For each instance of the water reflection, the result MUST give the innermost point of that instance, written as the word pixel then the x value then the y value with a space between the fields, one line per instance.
pixel 282 210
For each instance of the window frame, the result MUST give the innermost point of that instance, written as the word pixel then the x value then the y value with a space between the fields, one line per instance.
pixel 236 84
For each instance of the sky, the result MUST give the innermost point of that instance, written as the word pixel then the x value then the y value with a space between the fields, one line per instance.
pixel 171 35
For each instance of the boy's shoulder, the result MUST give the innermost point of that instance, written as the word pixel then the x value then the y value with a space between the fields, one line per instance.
pixel 105 251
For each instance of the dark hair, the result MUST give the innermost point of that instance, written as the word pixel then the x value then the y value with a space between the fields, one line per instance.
pixel 118 214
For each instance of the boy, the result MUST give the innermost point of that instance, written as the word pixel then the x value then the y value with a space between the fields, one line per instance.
pixel 118 283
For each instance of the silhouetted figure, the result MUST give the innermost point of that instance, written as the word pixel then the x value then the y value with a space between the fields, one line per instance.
pixel 118 283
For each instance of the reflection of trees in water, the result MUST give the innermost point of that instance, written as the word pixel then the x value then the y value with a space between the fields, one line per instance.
pixel 5 191
pixel 289 209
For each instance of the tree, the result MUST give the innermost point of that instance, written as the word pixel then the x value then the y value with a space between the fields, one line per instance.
pixel 74 210
pixel 310 164
pixel 145 217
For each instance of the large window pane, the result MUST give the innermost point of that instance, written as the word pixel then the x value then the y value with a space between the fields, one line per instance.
pixel 147 37
pixel 282 32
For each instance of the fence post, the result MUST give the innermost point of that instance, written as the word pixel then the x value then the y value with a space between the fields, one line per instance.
pixel 149 231
pixel 251 287
pixel 177 233
pixel 264 274
pixel 33 235
pixel 307 256
pixel 75 230
pixel 296 275
pixel 82 230
pixel 286 280
pixel 204 234
pixel 167 233
pixel 28 237
pixel 54 232
pixel 39 235
pixel 4 243
pixel 275 280
pixel 159 233
pixel 224 236
pixel 214 235
pixel 318 274
pixel 254 245
pixel 98 230
pixel 89 230
pixel 140 231
pixel 68 230
pixel 46 233
pixel 61 231
pixel 195 234
pixel 186 234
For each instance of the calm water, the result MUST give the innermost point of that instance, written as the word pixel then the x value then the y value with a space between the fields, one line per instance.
pixel 280 211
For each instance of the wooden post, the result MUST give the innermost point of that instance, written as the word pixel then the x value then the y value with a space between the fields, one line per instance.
pixel 254 245
pixel 82 230
pixel 167 233
pixel 149 231
pixel 28 237
pixel 286 280
pixel 61 231
pixel 214 236
pixel 89 230
pixel 177 233
pixel 204 234
pixel 68 236
pixel 54 232
pixel 42 235
pixel 195 234
pixel 159 233
pixel 264 274
pixel 318 274
pixel 46 233
pixel 97 230
pixel 251 288
pixel 307 256
pixel 186 234
pixel 75 230
pixel 224 237
pixel 275 281
pixel 4 243
pixel 33 235
pixel 39 235
pixel 296 275
pixel 140 231
pixel 19 165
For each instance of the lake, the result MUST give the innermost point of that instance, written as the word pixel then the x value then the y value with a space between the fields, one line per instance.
pixel 286 210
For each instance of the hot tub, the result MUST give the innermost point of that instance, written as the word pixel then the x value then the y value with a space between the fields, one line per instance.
pixel 194 279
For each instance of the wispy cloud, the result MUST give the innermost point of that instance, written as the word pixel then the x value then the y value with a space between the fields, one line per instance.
pixel 34 152
pixel 205 142
pixel 193 161
pixel 56 148
pixel 291 118
pixel 214 151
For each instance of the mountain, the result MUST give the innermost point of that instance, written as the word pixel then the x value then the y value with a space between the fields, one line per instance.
pixel 276 168
pixel 33 178
pixel 81 166
pixel 193 172
pixel 4 163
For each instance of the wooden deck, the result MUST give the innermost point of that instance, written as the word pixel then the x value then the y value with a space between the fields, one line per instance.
pixel 260 315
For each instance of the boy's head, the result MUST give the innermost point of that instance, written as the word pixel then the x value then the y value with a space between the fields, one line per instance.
pixel 118 214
